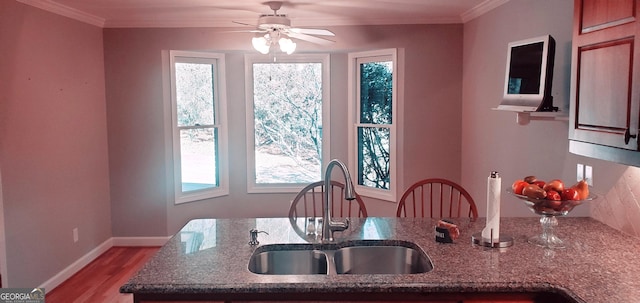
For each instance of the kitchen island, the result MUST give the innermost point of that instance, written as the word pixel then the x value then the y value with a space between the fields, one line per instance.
pixel 208 260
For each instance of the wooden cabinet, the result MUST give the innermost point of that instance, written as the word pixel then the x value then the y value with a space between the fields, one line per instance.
pixel 605 92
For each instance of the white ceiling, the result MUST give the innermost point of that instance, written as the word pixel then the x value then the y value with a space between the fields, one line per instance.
pixel 222 13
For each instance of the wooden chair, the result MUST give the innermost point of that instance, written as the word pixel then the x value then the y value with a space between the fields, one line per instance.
pixel 436 198
pixel 308 202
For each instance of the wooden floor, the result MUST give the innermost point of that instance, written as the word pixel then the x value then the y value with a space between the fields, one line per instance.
pixel 101 279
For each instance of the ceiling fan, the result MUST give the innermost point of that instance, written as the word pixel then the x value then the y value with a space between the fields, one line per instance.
pixel 276 28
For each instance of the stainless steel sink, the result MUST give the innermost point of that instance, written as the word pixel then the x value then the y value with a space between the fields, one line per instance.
pixel 381 260
pixel 289 262
pixel 352 257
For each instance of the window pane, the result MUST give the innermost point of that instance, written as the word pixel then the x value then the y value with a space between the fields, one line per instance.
pixel 373 157
pixel 194 94
pixel 288 122
pixel 376 90
pixel 199 155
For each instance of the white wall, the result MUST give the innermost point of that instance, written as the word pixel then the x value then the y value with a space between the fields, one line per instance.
pixel 53 142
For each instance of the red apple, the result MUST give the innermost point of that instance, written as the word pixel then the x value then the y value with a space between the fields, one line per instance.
pixel 553 195
pixel 570 194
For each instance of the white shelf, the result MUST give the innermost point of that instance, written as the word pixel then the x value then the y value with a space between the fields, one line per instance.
pixel 524 117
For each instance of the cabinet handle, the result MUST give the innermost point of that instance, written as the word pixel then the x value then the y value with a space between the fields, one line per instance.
pixel 628 136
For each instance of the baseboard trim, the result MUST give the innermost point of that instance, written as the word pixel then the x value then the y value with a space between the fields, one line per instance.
pixel 76 266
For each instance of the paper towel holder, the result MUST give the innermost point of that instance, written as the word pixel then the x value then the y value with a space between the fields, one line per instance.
pixel 503 241
pixel 495 240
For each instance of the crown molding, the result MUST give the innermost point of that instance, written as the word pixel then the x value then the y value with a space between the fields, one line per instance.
pixel 302 22
pixel 481 9
pixel 63 10
pixel 66 11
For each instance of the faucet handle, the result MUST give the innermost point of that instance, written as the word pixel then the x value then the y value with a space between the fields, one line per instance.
pixel 253 236
pixel 337 226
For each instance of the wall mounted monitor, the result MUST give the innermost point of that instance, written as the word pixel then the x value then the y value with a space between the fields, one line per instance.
pixel 529 75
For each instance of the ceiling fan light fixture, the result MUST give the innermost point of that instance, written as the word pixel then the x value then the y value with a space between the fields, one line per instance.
pixel 277 30
pixel 287 46
pixel 261 44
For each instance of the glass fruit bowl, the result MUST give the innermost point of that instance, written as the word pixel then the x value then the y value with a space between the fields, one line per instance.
pixel 549 210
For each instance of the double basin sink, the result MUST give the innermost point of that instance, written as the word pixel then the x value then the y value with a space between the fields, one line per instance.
pixel 351 257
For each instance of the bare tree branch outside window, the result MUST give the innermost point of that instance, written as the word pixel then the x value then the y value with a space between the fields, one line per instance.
pixel 376 91
pixel 288 122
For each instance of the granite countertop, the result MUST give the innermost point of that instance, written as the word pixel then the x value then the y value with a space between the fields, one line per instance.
pixel 210 257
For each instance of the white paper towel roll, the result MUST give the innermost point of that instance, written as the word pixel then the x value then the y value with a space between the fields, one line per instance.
pixel 491 232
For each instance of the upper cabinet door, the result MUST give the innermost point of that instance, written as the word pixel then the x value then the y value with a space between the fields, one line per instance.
pixel 605 92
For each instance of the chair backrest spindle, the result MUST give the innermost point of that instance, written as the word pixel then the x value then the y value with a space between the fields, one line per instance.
pixel 309 202
pixel 439 194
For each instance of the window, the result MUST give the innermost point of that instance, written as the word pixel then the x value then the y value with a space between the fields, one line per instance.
pixel 287 121
pixel 373 122
pixel 199 134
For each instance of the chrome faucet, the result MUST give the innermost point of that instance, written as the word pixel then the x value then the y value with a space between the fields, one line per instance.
pixel 328 226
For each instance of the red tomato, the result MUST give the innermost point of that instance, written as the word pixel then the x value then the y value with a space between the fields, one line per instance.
pixel 570 194
pixel 518 186
pixel 553 195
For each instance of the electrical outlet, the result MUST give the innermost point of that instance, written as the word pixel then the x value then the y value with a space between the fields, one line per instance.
pixel 580 172
pixel 75 235
pixel 588 174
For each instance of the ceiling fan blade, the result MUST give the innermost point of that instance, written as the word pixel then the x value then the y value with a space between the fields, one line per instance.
pixel 312 31
pixel 309 38
pixel 241 23
pixel 246 31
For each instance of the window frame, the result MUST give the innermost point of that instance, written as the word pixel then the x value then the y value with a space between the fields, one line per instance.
pixel 220 124
pixel 250 59
pixel 355 59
